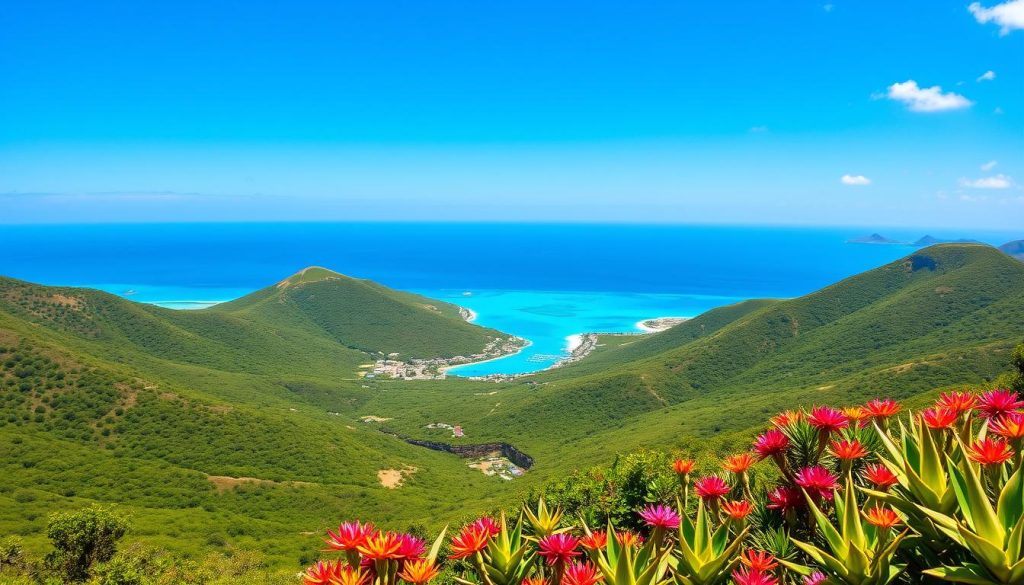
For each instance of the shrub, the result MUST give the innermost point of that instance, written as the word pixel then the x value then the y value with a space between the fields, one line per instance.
pixel 83 538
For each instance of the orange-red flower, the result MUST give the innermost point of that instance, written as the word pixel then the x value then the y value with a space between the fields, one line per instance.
pixel 737 509
pixel 998 402
pixel 629 538
pixel 738 463
pixel 882 517
pixel 758 560
pixel 855 413
pixel 1009 425
pixel 534 581
pixel 350 535
pixel 321 573
pixel 380 546
pixel 882 408
pixel 771 442
pixel 990 451
pixel 470 541
pixel 787 418
pixel 581 574
pixel 827 420
pixel 938 417
pixel 558 548
pixel 958 402
pixel 711 487
pixel 880 476
pixel 848 449
pixel 683 466
pixel 594 540
pixel 350 576
pixel 419 571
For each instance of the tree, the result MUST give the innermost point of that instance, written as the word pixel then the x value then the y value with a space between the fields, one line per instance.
pixel 83 538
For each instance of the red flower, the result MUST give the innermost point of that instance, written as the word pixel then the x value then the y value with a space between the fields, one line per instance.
pixel 990 451
pixel 880 476
pixel 1009 425
pixel 380 546
pixel 410 547
pixel 998 402
pixel 753 577
pixel 629 538
pixel 711 487
pixel 594 540
pixel 581 574
pixel 958 402
pixel 882 517
pixel 737 509
pixel 785 498
pixel 815 578
pixel 848 450
pixel 660 516
pixel 817 480
pixel 758 560
pixel 771 442
pixel 738 463
pixel 419 571
pixel 350 535
pixel 321 573
pixel 827 420
pixel 938 417
pixel 470 541
pixel 683 466
pixel 487 524
pixel 882 408
pixel 558 548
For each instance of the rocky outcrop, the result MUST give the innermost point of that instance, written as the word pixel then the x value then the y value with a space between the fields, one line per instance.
pixel 471 451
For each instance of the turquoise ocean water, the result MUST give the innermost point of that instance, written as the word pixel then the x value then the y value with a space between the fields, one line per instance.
pixel 543 282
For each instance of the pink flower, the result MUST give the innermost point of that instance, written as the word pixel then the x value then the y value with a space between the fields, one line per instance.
pixel 660 516
pixel 487 524
pixel 558 548
pixel 785 498
pixel 770 443
pixel 815 578
pixel 350 535
pixel 581 574
pixel 818 481
pixel 711 487
pixel 998 402
pixel 411 547
pixel 753 577
pixel 827 420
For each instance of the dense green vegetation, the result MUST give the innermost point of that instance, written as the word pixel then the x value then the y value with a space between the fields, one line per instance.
pixel 241 427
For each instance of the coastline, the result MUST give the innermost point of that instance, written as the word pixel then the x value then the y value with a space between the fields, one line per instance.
pixel 658 324
pixel 444 369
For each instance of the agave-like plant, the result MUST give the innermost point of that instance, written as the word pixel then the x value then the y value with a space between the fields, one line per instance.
pixel 543 521
pixel 705 556
pixel 508 558
pixel 993 535
pixel 859 552
pixel 622 563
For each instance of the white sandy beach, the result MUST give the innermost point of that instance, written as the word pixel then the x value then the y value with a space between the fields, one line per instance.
pixel 643 326
pixel 573 341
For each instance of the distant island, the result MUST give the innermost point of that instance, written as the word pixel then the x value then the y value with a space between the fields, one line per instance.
pixel 1014 249
pixel 926 240
pixel 873 239
pixel 929 240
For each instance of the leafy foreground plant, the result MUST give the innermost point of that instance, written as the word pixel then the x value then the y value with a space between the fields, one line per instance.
pixel 854 496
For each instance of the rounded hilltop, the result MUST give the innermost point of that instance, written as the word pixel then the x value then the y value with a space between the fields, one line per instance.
pixel 312 274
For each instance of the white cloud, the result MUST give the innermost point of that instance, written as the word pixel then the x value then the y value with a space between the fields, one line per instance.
pixel 989 165
pixel 855 180
pixel 926 99
pixel 986 76
pixel 1008 15
pixel 994 182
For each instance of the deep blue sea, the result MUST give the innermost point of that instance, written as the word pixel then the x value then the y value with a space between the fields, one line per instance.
pixel 543 282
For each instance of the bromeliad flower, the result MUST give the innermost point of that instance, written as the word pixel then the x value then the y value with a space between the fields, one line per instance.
pixel 629 538
pixel 683 466
pixel 487 524
pixel 534 581
pixel 771 442
pixel 558 548
pixel 848 450
pixel 990 451
pixel 381 546
pixel 785 498
pixel 882 517
pixel 815 578
pixel 737 509
pixel 958 402
pixel 758 560
pixel 321 573
pixel 595 540
pixel 581 574
pixel 350 535
pixel 880 476
pixel 827 420
pixel 856 414
pixel 881 409
pixel 938 417
pixel 410 547
pixel 753 577
pixel 738 463
pixel 711 487
pixel 1009 425
pixel 999 402
pixel 660 516
pixel 419 571
pixel 470 541
pixel 818 481
pixel 787 418
pixel 351 576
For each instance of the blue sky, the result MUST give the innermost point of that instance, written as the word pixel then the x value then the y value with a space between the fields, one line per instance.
pixel 846 112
